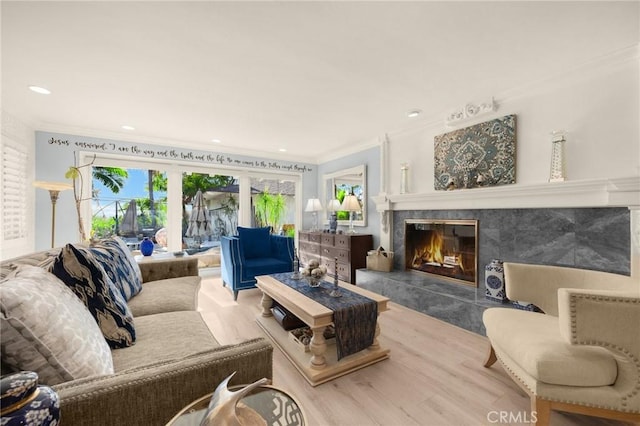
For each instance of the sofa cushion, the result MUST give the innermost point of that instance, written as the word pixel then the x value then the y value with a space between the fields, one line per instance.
pixel 42 259
pixel 46 329
pixel 254 242
pixel 165 337
pixel 83 274
pixel 170 295
pixel 119 264
pixel 265 266
pixel 534 342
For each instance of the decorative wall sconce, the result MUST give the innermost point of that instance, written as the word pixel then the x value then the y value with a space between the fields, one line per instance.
pixel 314 206
pixel 404 178
pixel 558 173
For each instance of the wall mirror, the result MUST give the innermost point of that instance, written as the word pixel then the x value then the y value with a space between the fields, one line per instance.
pixel 341 183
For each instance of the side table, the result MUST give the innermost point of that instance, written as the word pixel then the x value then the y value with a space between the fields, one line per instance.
pixel 277 408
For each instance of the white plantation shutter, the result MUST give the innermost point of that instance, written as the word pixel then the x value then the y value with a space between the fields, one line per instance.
pixel 15 163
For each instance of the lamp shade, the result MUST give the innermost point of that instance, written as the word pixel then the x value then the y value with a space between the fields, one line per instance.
pixel 351 204
pixel 313 205
pixel 52 186
pixel 334 205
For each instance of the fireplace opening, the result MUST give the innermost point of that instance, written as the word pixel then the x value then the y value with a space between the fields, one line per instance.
pixel 444 248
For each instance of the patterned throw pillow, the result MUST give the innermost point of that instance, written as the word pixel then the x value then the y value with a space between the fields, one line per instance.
pixel 83 274
pixel 46 329
pixel 119 264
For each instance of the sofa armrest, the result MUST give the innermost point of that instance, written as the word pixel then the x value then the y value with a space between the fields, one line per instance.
pixel 153 394
pixel 162 269
pixel 282 247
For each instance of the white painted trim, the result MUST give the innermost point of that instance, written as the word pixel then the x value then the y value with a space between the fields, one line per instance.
pixel 615 192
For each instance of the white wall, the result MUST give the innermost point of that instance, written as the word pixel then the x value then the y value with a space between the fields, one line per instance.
pixel 597 104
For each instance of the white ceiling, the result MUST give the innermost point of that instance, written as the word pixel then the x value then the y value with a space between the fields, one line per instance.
pixel 310 77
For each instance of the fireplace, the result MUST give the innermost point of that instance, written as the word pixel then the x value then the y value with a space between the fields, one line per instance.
pixel 447 248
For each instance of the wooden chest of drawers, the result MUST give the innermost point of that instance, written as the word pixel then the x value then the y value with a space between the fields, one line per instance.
pixel 350 249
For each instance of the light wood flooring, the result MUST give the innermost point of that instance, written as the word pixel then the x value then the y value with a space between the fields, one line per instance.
pixel 434 376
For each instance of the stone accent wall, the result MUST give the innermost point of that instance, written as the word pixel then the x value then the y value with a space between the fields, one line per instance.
pixel 588 238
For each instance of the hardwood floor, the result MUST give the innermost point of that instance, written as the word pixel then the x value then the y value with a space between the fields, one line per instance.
pixel 434 376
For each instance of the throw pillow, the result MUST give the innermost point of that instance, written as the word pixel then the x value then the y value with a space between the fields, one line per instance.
pixel 46 329
pixel 255 242
pixel 119 264
pixel 83 274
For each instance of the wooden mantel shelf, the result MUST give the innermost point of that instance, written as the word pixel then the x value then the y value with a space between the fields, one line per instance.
pixel 617 192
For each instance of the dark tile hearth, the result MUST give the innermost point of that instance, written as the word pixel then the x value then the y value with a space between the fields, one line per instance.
pixel 456 304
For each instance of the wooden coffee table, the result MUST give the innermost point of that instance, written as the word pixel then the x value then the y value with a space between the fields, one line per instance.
pixel 319 365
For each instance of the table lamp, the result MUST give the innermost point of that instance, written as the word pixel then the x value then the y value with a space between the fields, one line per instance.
pixel 54 189
pixel 314 206
pixel 352 205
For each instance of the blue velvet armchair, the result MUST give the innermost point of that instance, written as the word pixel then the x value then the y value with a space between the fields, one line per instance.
pixel 254 251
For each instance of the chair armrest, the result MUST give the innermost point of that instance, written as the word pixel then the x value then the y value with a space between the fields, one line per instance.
pixel 600 317
pixel 162 269
pixel 282 247
pixel 153 394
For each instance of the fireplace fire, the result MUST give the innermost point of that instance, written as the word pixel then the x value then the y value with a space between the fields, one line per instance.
pixel 444 248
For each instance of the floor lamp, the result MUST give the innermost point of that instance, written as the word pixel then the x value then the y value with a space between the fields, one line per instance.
pixel 352 205
pixel 54 189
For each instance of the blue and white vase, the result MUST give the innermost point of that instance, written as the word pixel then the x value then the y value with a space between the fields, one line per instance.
pixel 146 247
pixel 26 403
pixel 494 281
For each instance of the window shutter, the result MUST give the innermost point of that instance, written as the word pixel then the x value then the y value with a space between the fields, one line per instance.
pixel 15 163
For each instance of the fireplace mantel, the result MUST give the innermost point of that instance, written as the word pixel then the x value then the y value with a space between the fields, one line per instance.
pixel 618 192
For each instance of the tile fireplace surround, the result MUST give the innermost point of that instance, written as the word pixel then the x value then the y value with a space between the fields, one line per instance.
pixel 589 238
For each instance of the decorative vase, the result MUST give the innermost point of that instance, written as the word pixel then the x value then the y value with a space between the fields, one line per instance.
pixel 333 222
pixel 146 247
pixel 494 281
pixel 26 403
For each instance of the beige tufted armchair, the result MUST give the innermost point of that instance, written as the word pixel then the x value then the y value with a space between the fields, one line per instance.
pixel 583 354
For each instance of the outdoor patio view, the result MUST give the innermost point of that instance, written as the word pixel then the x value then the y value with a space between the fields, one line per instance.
pixel 132 203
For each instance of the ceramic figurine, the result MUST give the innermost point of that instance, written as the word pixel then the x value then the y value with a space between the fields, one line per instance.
pixel 225 408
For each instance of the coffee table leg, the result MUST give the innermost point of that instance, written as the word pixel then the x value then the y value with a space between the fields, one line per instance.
pixel 266 304
pixel 376 344
pixel 318 347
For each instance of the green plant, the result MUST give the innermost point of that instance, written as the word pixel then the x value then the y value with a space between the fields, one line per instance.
pixel 269 209
pixel 102 227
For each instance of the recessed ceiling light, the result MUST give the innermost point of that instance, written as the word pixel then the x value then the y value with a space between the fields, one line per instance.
pixel 216 140
pixel 40 90
pixel 413 113
pixel 126 127
pixel 282 150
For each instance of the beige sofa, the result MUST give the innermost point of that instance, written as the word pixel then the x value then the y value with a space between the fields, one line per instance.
pixel 174 361
pixel 583 354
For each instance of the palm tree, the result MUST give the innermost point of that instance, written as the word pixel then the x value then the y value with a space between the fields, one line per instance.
pixel 111 177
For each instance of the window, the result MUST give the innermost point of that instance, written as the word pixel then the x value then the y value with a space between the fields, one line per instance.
pixel 15 162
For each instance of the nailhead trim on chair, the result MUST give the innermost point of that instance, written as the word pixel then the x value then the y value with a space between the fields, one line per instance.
pixel 621 350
